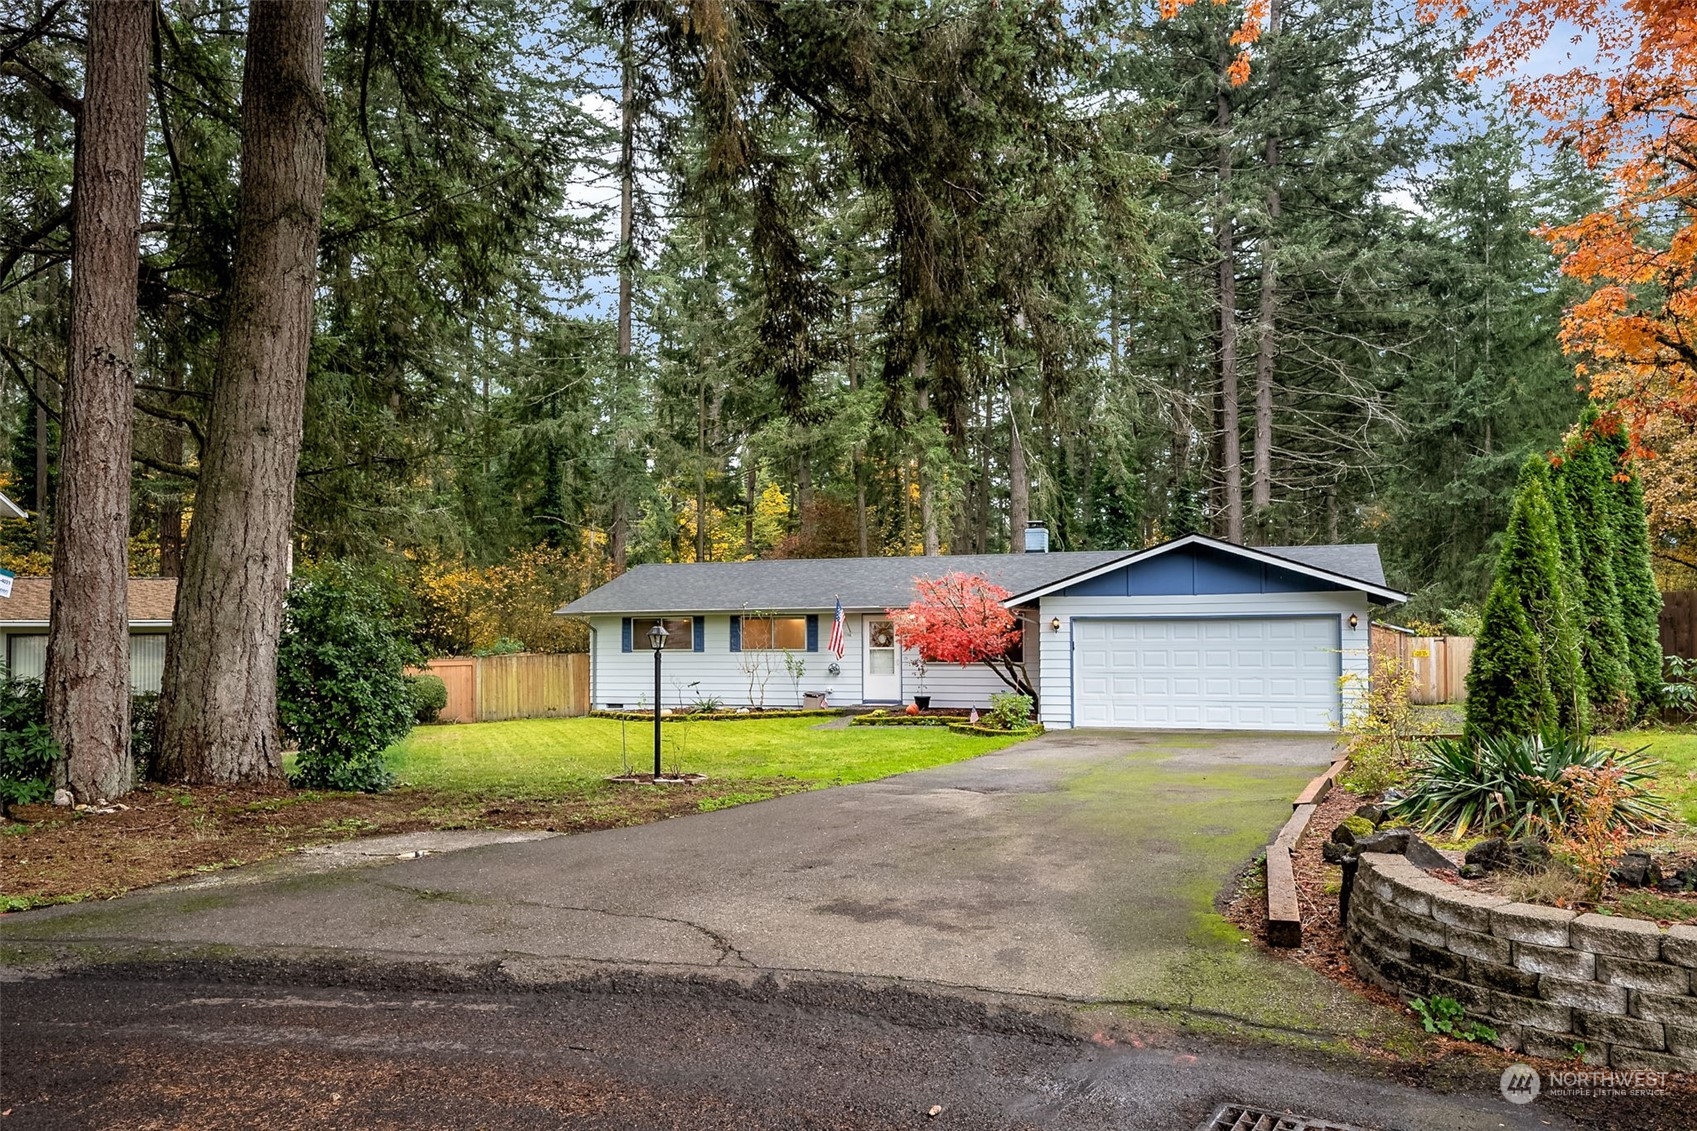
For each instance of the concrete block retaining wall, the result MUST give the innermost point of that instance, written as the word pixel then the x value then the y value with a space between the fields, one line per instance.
pixel 1547 980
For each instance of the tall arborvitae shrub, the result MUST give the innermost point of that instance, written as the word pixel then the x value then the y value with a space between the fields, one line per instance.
pixel 1573 704
pixel 1640 600
pixel 1526 659
pixel 1586 478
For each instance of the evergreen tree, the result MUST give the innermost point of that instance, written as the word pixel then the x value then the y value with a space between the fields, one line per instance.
pixel 1573 704
pixel 1585 480
pixel 1526 655
pixel 1640 601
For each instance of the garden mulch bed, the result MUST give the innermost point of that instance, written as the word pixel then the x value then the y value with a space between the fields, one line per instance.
pixel 1317 886
pixel 54 855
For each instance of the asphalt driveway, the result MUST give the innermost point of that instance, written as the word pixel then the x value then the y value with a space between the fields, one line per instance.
pixel 1081 865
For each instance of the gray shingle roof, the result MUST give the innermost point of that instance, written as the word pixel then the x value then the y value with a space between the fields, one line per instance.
pixel 880 583
pixel 1359 560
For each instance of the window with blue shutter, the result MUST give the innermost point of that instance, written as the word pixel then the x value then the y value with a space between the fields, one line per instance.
pixel 736 634
pixel 813 632
pixel 624 636
pixel 700 634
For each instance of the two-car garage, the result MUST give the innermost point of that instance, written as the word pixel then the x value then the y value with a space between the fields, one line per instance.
pixel 1210 673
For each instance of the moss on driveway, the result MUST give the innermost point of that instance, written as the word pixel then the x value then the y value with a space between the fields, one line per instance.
pixel 1183 813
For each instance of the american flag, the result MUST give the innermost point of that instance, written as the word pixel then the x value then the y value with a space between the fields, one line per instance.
pixel 836 643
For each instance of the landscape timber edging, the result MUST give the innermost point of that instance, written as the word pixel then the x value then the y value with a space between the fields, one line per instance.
pixel 1553 983
pixel 1284 909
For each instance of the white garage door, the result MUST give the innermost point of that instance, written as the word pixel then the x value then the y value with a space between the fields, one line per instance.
pixel 1226 673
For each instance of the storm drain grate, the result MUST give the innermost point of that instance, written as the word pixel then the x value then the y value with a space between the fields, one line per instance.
pixel 1235 1117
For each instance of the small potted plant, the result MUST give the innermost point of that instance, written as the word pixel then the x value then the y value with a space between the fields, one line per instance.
pixel 920 698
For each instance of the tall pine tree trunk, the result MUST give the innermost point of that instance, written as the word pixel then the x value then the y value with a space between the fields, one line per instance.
pixel 1261 485
pixel 218 715
pixel 620 539
pixel 1019 483
pixel 1231 442
pixel 88 635
pixel 858 456
pixel 927 499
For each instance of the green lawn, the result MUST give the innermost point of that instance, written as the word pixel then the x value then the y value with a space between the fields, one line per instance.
pixel 532 756
pixel 1678 753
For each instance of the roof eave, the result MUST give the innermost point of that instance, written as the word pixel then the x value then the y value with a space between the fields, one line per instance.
pixel 1382 592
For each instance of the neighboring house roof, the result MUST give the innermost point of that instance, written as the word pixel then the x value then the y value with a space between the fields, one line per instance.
pixel 9 509
pixel 789 584
pixel 151 601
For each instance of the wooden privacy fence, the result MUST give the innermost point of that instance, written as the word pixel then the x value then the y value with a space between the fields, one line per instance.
pixel 486 689
pixel 1679 623
pixel 1439 663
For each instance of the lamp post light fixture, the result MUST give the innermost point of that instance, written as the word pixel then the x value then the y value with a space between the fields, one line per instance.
pixel 657 641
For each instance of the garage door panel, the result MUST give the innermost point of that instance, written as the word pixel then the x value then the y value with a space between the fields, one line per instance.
pixel 1249 673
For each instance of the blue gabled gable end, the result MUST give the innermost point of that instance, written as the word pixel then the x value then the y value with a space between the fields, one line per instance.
pixel 1195 570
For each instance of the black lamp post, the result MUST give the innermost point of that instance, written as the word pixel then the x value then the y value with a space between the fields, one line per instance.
pixel 657 641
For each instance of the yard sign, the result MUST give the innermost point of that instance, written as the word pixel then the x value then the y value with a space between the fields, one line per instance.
pixel 6 576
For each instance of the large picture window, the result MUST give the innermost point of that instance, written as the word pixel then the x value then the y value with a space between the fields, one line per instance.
pixel 772 633
pixel 680 633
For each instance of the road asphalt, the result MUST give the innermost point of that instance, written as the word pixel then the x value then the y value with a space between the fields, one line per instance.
pixel 1066 884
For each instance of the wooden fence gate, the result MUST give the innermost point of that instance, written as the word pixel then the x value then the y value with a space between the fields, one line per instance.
pixel 485 689
pixel 1439 663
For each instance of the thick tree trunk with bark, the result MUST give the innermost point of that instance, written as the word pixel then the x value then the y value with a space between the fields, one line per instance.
pixel 218 715
pixel 1261 476
pixel 88 638
pixel 1231 443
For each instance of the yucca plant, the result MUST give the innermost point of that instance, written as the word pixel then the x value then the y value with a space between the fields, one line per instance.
pixel 1514 785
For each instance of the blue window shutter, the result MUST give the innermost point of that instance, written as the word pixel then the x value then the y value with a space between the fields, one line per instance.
pixel 624 637
pixel 813 632
pixel 736 634
pixel 700 634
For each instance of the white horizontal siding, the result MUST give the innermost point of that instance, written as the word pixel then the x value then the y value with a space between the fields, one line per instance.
pixel 623 677
pixel 26 655
pixel 1055 650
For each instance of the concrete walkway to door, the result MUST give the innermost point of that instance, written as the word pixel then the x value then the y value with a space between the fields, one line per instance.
pixel 1080 865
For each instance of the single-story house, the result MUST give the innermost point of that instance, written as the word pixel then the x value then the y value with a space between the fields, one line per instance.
pixel 9 509
pixel 1195 633
pixel 23 628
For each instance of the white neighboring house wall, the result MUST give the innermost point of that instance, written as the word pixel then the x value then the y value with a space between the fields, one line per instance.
pixel 1056 654
pixel 627 678
pixel 24 652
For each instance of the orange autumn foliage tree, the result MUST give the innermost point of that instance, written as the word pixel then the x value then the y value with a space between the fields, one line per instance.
pixel 1248 32
pixel 1632 113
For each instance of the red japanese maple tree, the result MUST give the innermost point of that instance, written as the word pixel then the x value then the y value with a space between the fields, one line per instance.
pixel 959 618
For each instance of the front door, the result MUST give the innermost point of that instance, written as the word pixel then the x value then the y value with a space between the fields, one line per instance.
pixel 883 667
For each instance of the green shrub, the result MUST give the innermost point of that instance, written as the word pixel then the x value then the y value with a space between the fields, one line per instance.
pixel 1525 676
pixel 506 646
pixel 341 685
pixel 27 748
pixel 1514 784
pixel 1009 710
pixel 1640 601
pixel 1464 621
pixel 1678 696
pixel 144 732
pixel 1376 764
pixel 1587 482
pixel 429 696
